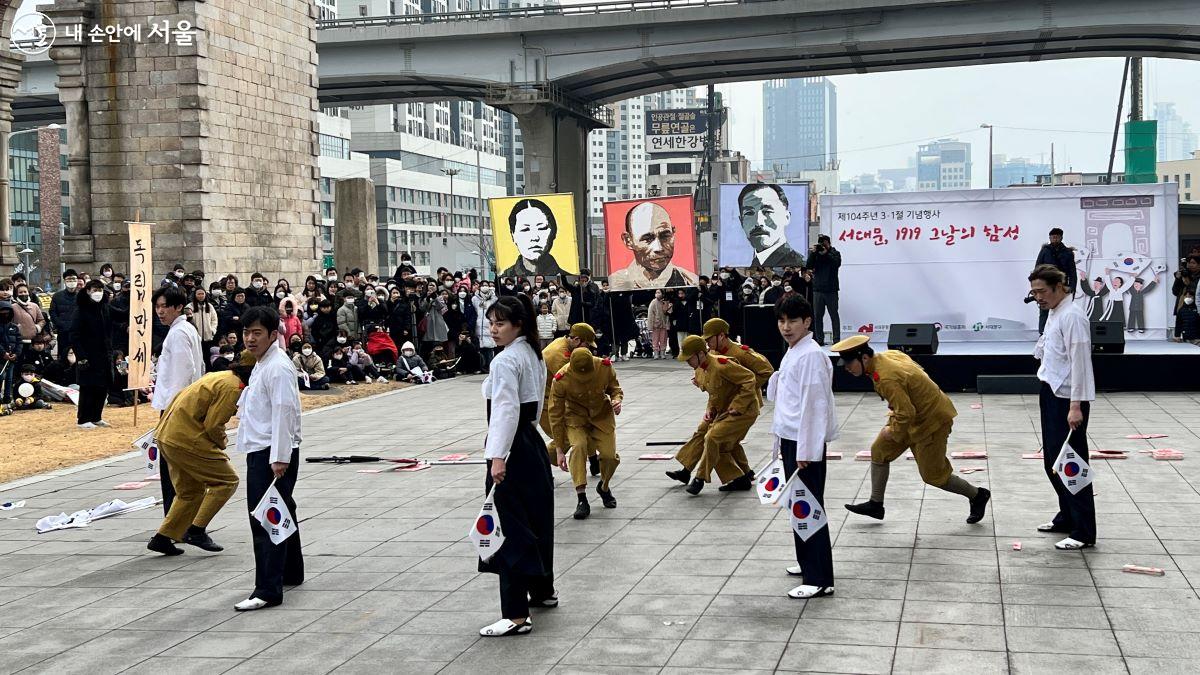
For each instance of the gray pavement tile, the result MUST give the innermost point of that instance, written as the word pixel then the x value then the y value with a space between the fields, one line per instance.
pixel 952 636
pixel 951 662
pixel 649 626
pixel 958 591
pixel 1055 616
pixel 1160 666
pixel 725 654
pixel 753 606
pixel 835 607
pixel 450 622
pixel 183 619
pixel 700 567
pixel 941 611
pixel 301 654
pixel 597 652
pixel 1046 594
pixel 1100 642
pixel 663 604
pixel 845 632
pixel 269 621
pixel 1075 664
pixel 182 666
pixel 765 629
pixel 663 584
pixel 1158 644
pixel 221 644
pixel 800 657
pixel 1148 597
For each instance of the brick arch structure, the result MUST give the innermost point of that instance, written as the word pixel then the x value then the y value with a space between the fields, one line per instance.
pixel 10 78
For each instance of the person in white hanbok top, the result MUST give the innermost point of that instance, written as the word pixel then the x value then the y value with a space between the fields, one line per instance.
pixel 518 473
pixel 804 422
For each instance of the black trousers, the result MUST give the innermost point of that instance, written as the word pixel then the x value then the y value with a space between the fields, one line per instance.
pixel 823 302
pixel 91 402
pixel 516 589
pixel 164 478
pixel 1076 512
pixel 274 564
pixel 815 556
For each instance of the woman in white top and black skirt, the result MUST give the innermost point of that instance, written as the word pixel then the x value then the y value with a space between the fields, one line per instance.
pixel 518 469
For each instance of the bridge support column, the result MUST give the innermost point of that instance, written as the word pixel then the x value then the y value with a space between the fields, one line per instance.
pixel 555 143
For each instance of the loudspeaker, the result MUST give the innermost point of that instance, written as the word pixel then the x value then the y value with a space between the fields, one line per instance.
pixel 1108 337
pixel 913 338
pixel 761 333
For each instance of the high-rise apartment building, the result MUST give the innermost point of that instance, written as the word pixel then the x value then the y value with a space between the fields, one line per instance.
pixel 1176 139
pixel 799 124
pixel 944 165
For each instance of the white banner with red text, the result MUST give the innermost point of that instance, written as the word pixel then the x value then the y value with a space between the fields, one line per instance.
pixel 961 259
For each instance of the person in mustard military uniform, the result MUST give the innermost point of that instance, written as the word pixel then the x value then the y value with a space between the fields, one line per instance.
pixel 585 399
pixel 920 419
pixel 716 336
pixel 556 354
pixel 733 405
pixel 191 433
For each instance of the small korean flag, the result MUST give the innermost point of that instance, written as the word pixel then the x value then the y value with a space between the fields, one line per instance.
pixel 149 448
pixel 486 532
pixel 274 516
pixel 807 514
pixel 1074 473
pixel 771 482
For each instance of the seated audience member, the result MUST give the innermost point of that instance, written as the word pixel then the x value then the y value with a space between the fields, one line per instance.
pixel 29 395
pixel 38 355
pixel 362 360
pixel 340 370
pixel 224 359
pixel 441 364
pixel 381 348
pixel 310 369
pixel 410 367
pixel 469 362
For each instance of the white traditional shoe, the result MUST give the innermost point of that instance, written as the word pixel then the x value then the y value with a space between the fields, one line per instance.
pixel 380 380
pixel 251 604
pixel 104 424
pixel 795 571
pixel 1070 544
pixel 87 425
pixel 805 592
pixel 504 627
pixel 1050 527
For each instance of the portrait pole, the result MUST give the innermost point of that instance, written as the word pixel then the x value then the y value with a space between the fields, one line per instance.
pixel 612 325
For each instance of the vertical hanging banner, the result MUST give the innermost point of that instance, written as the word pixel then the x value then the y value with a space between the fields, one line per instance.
pixel 141 323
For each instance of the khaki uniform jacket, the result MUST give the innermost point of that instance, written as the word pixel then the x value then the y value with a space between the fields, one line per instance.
pixel 556 356
pixel 729 386
pixel 195 420
pixel 919 408
pixel 752 361
pixel 584 400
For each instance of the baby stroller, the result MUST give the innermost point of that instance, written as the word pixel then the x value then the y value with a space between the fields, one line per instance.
pixel 644 348
pixel 382 350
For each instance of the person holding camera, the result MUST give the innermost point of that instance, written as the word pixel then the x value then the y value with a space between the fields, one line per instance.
pixel 1185 280
pixel 824 261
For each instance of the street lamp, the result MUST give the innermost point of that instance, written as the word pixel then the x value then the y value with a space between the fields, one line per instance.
pixel 25 253
pixel 452 173
pixel 990 161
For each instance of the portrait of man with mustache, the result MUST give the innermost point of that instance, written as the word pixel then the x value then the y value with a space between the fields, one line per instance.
pixel 763 211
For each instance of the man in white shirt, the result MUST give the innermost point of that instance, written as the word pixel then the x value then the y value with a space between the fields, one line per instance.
pixel 269 434
pixel 1068 388
pixel 180 363
pixel 805 420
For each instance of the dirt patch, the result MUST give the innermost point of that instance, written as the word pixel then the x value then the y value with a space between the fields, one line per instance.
pixel 36 441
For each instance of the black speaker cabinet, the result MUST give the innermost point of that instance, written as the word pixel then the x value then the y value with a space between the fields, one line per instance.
pixel 761 333
pixel 913 338
pixel 1108 337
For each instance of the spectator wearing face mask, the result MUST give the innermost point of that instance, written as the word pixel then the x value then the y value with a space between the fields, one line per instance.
pixel 28 392
pixel 324 326
pixel 93 347
pixel 1187 322
pixel 63 306
pixel 310 369
pixel 204 319
pixel 468 354
pixel 402 320
pixel 224 359
pixel 174 277
pixel 37 354
pixel 340 370
pixel 773 293
pixel 658 320
pixel 290 324
pixel 347 314
pixel 546 325
pixel 258 295
pixel 372 310
pixel 560 307
pixel 230 319
pixel 27 313
pixel 359 358
pixel 436 332
pixel 410 367
pixel 481 327
pixel 10 352
pixel 455 319
pixel 584 295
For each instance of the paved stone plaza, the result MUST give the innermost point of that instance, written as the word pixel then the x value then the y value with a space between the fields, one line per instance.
pixel 664 583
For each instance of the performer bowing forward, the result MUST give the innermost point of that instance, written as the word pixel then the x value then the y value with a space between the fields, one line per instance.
pixel 805 419
pixel 1068 388
pixel 518 469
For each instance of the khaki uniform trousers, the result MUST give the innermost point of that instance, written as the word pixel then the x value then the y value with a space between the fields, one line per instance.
pixel 203 483
pixel 586 441
pixel 724 435
pixel 930 453
pixel 689 455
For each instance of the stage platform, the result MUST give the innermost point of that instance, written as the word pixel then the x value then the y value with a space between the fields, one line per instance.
pixel 1145 365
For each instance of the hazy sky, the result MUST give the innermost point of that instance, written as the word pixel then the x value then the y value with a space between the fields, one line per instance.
pixel 1071 103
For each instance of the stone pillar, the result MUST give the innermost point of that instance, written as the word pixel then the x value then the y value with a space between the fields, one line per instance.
pixel 556 160
pixel 208 133
pixel 10 77
pixel 50 199
pixel 355 240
